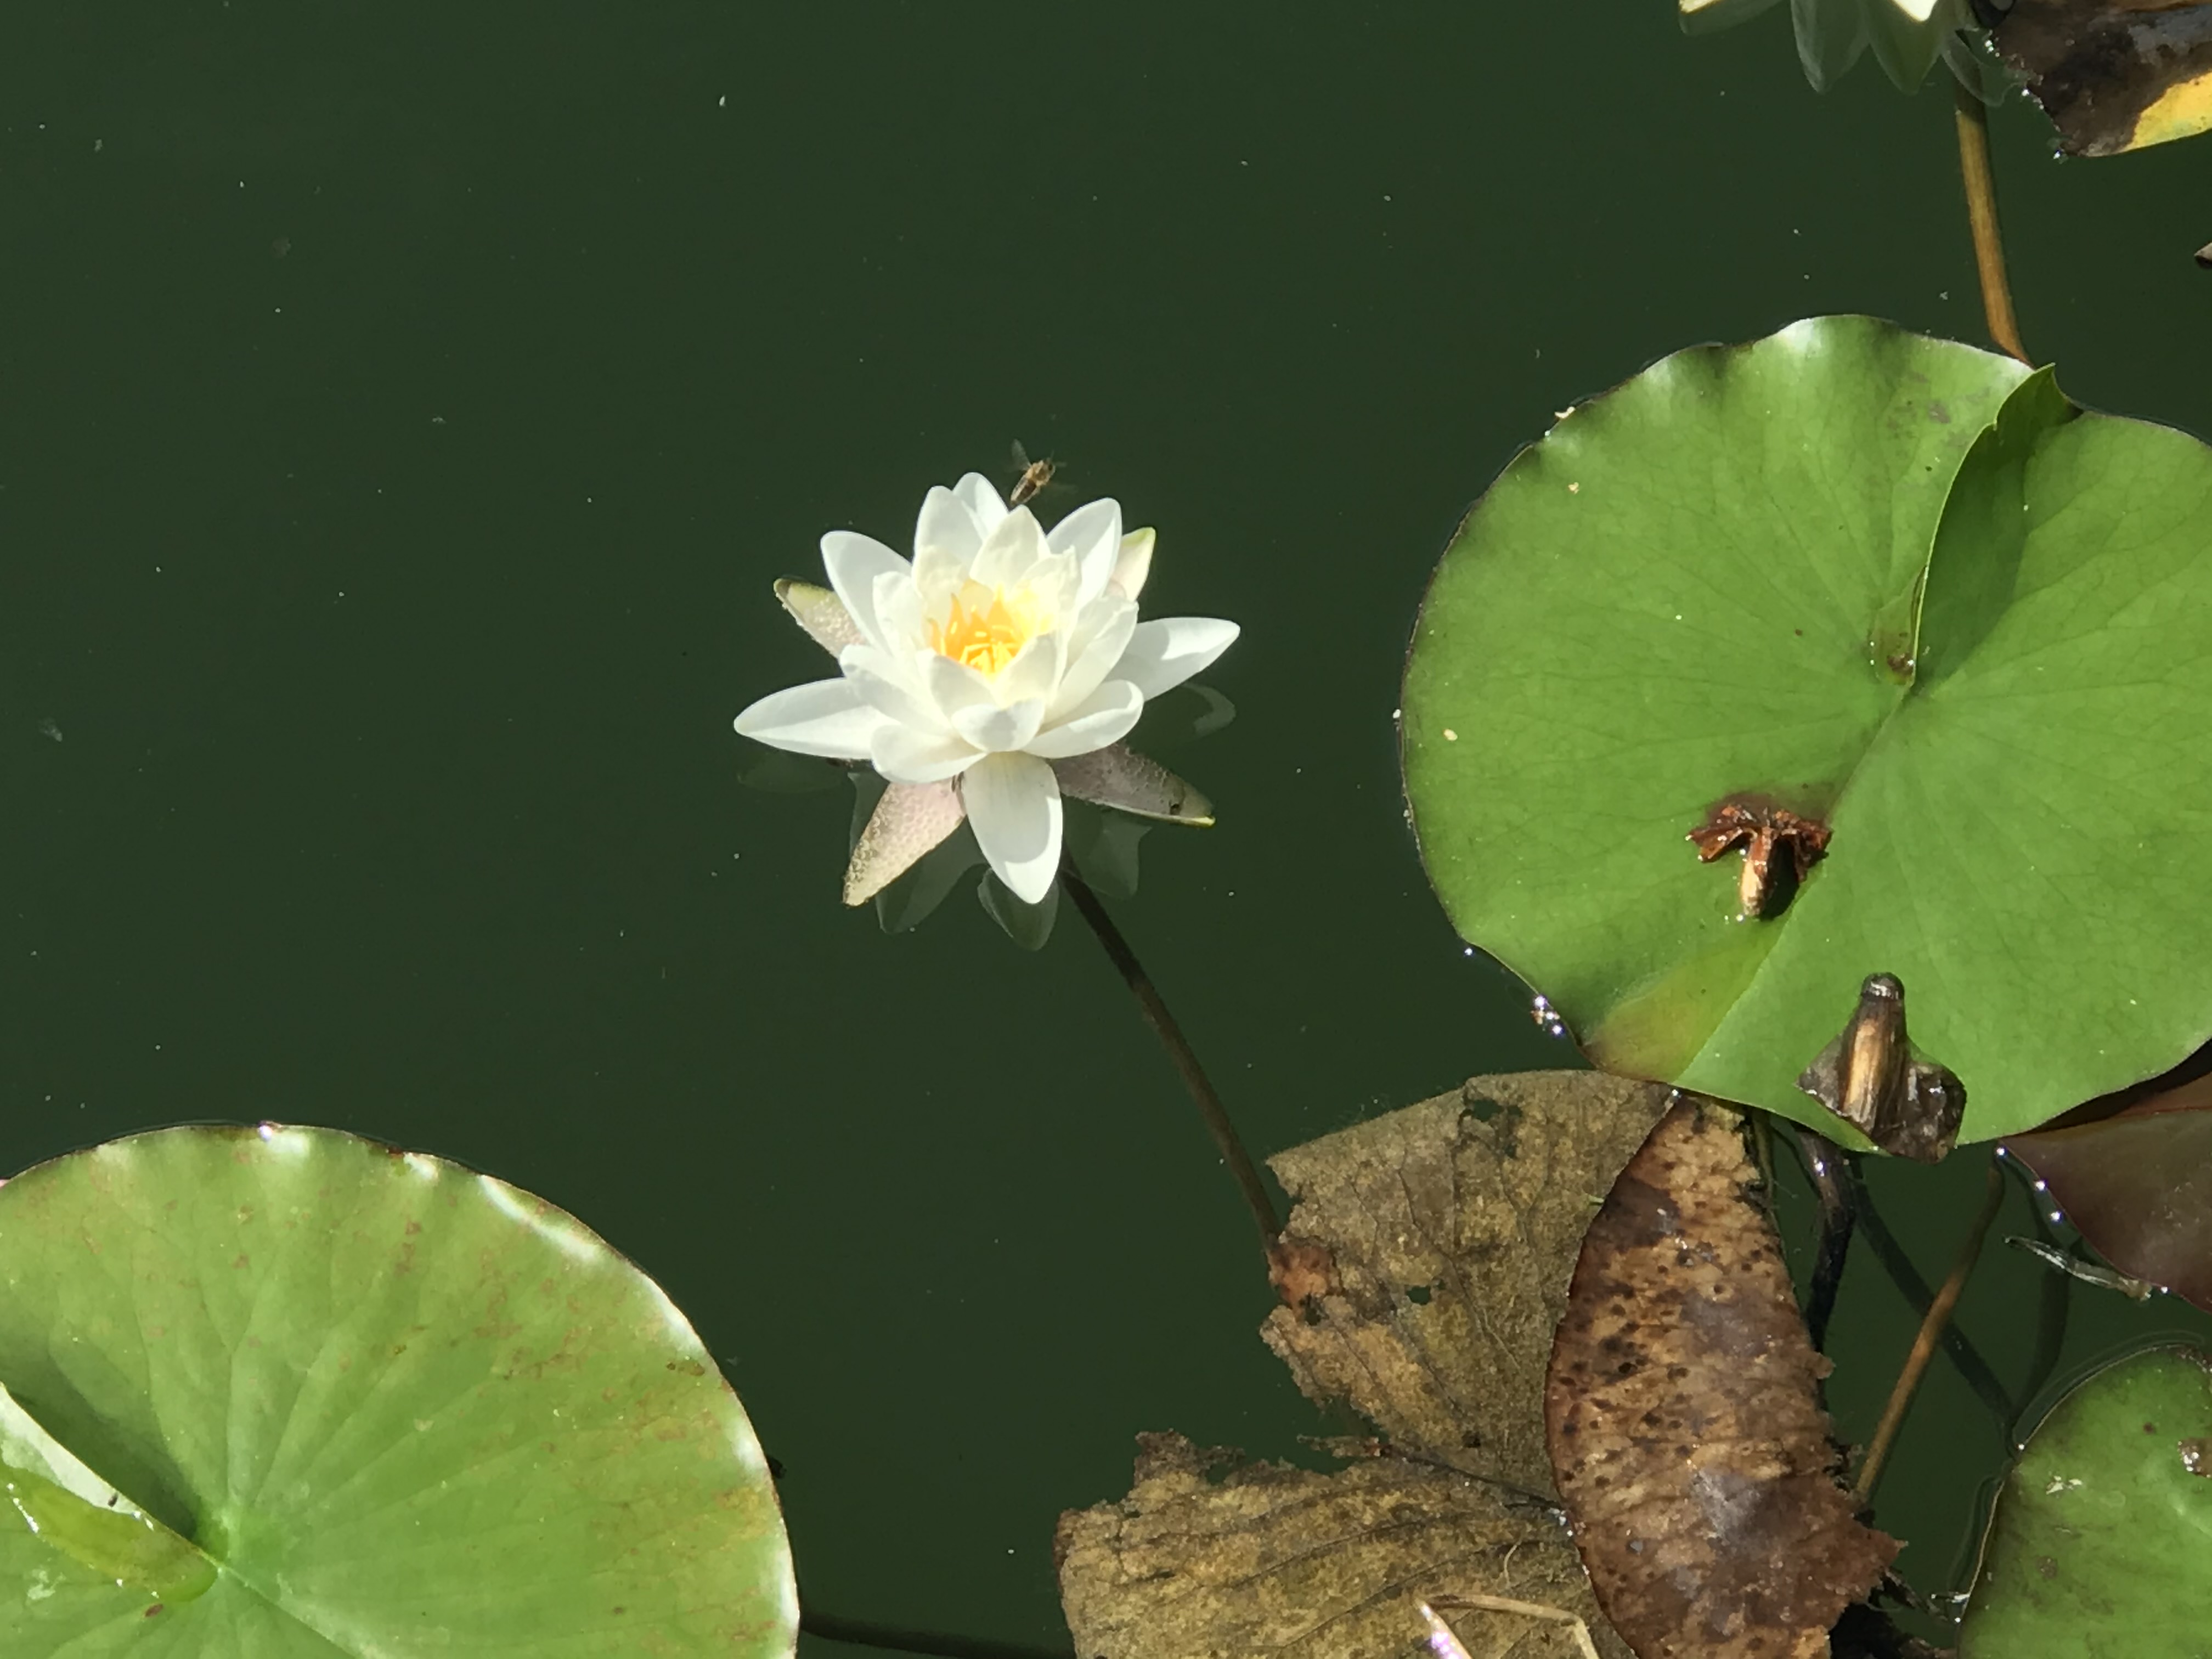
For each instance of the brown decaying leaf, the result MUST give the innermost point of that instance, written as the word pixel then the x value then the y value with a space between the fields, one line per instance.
pixel 1454 1226
pixel 1684 1416
pixel 1272 1561
pixel 2113 75
pixel 1429 1252
pixel 2139 1186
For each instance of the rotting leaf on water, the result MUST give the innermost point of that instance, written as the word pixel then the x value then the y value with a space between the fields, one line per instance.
pixel 1437 1244
pixel 1683 1412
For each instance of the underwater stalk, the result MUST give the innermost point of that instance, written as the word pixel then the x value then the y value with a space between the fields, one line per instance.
pixel 1923 1343
pixel 1960 1348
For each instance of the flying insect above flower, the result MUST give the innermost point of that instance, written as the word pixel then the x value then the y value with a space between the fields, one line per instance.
pixel 999 666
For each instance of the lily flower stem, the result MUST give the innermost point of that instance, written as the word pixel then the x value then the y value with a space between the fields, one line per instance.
pixel 1923 1343
pixel 1155 1011
pixel 1972 120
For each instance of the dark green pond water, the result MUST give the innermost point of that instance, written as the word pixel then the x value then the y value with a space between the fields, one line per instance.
pixel 404 411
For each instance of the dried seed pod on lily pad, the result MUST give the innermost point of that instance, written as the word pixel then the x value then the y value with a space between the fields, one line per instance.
pixel 1684 1418
pixel 1873 1079
pixel 1762 829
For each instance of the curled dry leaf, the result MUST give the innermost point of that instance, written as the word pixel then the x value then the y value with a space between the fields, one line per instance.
pixel 1430 1251
pixel 1685 1421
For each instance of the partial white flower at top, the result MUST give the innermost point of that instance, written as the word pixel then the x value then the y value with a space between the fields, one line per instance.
pixel 998 666
pixel 1907 37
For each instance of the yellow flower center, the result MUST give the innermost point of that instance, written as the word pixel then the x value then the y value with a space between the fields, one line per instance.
pixel 985 628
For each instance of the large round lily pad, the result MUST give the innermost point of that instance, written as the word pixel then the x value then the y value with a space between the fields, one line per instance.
pixel 366 1403
pixel 1818 574
pixel 2101 1544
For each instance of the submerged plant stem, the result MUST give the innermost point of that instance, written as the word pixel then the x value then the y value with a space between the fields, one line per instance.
pixel 1972 119
pixel 1826 1170
pixel 1958 1346
pixel 1923 1343
pixel 1155 1011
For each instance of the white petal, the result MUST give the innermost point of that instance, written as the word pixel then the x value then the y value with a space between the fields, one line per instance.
pixel 1104 718
pixel 883 684
pixel 1009 551
pixel 1013 801
pixel 981 497
pixel 906 756
pixel 824 718
pixel 898 611
pixel 953 686
pixel 938 574
pixel 1034 674
pixel 1164 652
pixel 947 526
pixel 854 561
pixel 1918 10
pixel 1107 627
pixel 1093 534
pixel 911 819
pixel 1132 564
pixel 821 613
pixel 1002 729
pixel 1056 581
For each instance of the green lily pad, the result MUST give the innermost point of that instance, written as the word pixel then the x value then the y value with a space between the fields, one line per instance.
pixel 353 1402
pixel 1725 579
pixel 2101 1544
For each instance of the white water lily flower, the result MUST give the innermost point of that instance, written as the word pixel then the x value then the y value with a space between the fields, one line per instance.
pixel 998 666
